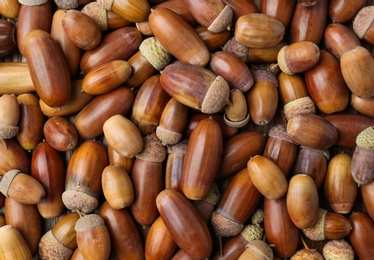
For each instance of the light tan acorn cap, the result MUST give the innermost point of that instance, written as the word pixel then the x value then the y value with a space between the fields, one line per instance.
pixel 235 47
pixel 153 150
pixel 236 124
pixel 280 131
pixel 282 63
pixel 98 13
pixel 51 248
pixel 168 137
pixel 107 4
pixel 79 201
pixel 262 248
pixel 224 226
pixel 338 250
pixel 252 232
pixel 6 181
pixel 365 139
pixel 363 20
pixel 216 97
pixel 67 4
pixel 222 21
pixel 178 148
pixel 88 221
pixel 317 231
pixel 304 105
pixel 213 195
pixel 257 217
pixel 32 2
pixel 8 131
pixel 155 53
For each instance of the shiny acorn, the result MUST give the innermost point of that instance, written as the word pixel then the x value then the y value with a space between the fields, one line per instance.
pixel 12 244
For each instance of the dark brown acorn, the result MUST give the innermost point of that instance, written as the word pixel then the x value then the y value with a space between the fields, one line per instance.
pixel 344 11
pixel 8 38
pixel 361 237
pixel 13 156
pixel 282 10
pixel 60 134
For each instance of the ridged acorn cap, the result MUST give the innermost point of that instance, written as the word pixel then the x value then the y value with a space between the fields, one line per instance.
pixel 155 53
pixel 280 131
pixel 51 248
pixel 262 248
pixel 225 227
pixel 264 75
pixel 167 136
pixel 338 250
pixel 304 105
pixel 235 47
pixel 153 150
pixel 252 232
pixel 257 217
pixel 88 221
pixel 79 201
pixel 317 231
pixel 236 124
pixel 98 13
pixel 6 181
pixel 308 254
pixel 363 20
pixel 216 97
pixel 365 139
pixel 222 21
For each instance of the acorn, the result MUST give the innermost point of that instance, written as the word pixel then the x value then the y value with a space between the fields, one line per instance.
pixel 83 177
pixel 81 29
pixel 133 11
pixel 342 12
pixel 213 41
pixel 262 98
pixel 78 100
pixel 179 216
pixel 298 57
pixel 125 238
pixel 13 156
pixel 257 249
pixel 203 156
pixel 338 249
pixel 12 244
pixel 307 253
pixel 340 187
pixel 236 113
pixel 148 105
pixel 179 7
pixel 361 236
pixel 363 22
pixel 60 242
pixel 267 177
pixel 10 8
pixel 367 198
pixel 281 10
pixel 117 159
pixel 93 237
pixel 178 37
pixel 9 116
pixel 302 201
pixel 280 148
pixel 8 35
pixel 172 122
pixel 309 22
pixel 174 164
pixel 356 67
pixel 312 131
pixel 31 121
pixel 338 38
pixel 60 133
pixel 362 158
pixel 363 105
pixel 334 96
pixel 258 30
pixel 48 168
pixel 148 179
pixel 312 162
pixel 109 48
pixel 329 225
pixel 26 219
pixel 232 69
pixel 21 187
pixel 181 81
pixel 16 78
pixel 123 136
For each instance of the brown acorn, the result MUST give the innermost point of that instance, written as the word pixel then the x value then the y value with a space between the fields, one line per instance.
pixel 181 81
pixel 83 177
pixel 116 159
pixel 361 236
pixel 100 109
pixel 342 11
pixel 363 22
pixel 60 133
pixel 302 201
pixel 174 164
pixel 178 37
pixel 48 168
pixel 236 113
pixel 179 7
pixel 133 11
pixel 124 234
pixel 8 34
pixel 12 244
pixel 13 156
pixel 362 158
pixel 9 116
pixel 213 41
pixel 179 215
pixel 340 187
pixel 283 11
pixel 241 7
pixel 16 78
pixel 363 105
pixel 10 9
pixel 367 195
pixel 93 237
pixel 181 255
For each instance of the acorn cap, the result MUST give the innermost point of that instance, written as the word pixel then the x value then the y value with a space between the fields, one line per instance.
pixel 252 232
pixel 225 227
pixel 213 195
pixel 6 181
pixel 363 20
pixel 167 136
pixel 307 253
pixel 338 250
pixel 280 131
pixel 235 47
pixel 7 131
pixel 304 105
pixel 257 217
pixel 222 21
pixel 262 248
pixel 79 201
pixel 153 150
pixel 216 97
pixel 317 231
pixel 67 4
pixel 365 139
pixel 98 13
pixel 282 63
pixel 155 53
pixel 32 2
pixel 178 148
pixel 51 248
pixel 107 4
pixel 236 124
pixel 264 75
pixel 88 221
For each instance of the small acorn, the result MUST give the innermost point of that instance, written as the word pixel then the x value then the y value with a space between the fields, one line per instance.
pixel 9 116
pixel 338 249
pixel 60 133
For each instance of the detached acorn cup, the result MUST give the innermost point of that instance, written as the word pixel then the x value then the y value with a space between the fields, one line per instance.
pixel 9 116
